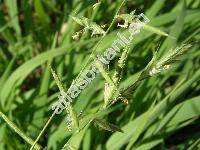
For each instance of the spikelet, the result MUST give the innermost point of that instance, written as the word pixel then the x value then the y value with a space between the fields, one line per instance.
pixel 57 80
pixel 107 92
pixel 128 18
pixel 96 5
pixel 167 60
pixel 173 55
pixel 72 120
pixel 90 25
pixel 111 86
pixel 78 34
pixel 155 67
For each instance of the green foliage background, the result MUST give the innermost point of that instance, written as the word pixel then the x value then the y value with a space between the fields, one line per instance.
pixel 163 110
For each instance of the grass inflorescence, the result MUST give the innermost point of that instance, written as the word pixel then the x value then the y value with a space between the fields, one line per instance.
pixel 146 97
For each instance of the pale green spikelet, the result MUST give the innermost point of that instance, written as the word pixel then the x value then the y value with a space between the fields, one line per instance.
pixel 118 72
pixel 110 84
pixel 57 80
pixel 165 62
pixel 157 66
pixel 121 62
pixel 128 18
pixel 90 25
pixel 96 5
pixel 72 119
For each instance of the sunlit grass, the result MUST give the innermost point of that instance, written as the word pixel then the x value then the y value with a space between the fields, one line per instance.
pixel 144 98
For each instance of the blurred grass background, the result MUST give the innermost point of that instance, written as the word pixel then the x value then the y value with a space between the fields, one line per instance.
pixel 163 111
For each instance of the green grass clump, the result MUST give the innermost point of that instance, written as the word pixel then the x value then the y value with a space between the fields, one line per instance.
pixel 146 98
